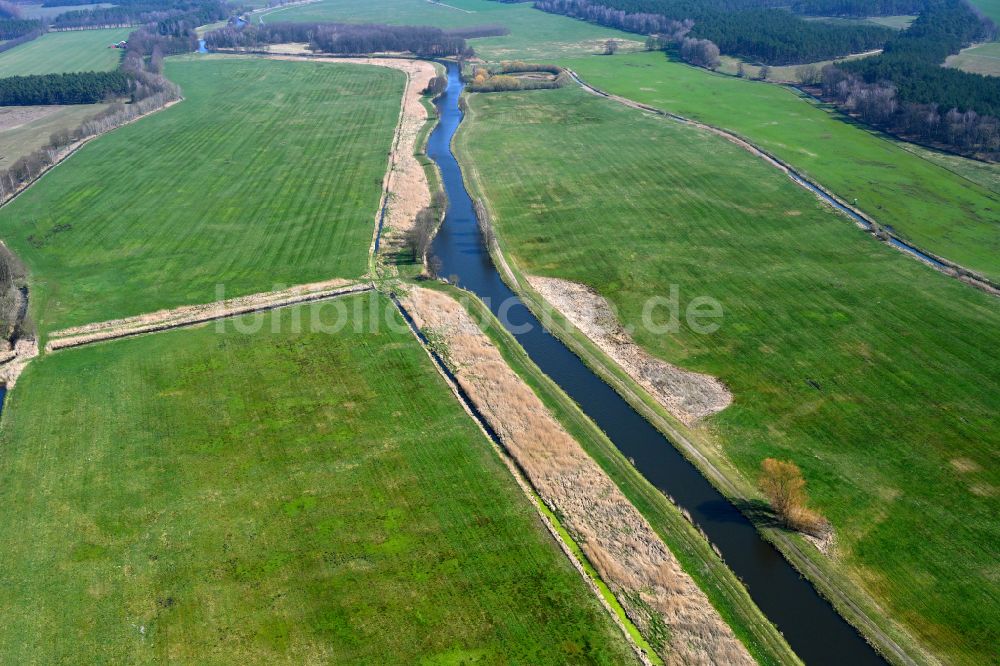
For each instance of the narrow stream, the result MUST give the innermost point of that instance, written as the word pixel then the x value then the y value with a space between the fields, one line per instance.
pixel 810 624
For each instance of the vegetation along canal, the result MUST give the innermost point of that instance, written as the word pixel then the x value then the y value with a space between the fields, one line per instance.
pixel 810 624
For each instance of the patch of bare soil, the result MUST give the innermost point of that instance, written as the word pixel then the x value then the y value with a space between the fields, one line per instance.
pixel 196 314
pixel 12 117
pixel 673 613
pixel 406 188
pixel 687 395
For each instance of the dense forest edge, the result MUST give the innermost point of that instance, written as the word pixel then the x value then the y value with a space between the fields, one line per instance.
pixel 903 90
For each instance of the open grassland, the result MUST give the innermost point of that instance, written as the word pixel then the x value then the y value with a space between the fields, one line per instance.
pixel 989 7
pixel 986 174
pixel 936 209
pixel 981 59
pixel 58 52
pixel 533 34
pixel 267 175
pixel 25 129
pixel 874 373
pixel 176 497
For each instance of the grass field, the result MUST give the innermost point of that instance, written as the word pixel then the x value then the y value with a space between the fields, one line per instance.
pixel 177 497
pixel 923 202
pixel 534 35
pixel 989 7
pixel 49 13
pixel 58 52
pixel 981 59
pixel 25 129
pixel 986 174
pixel 871 371
pixel 267 175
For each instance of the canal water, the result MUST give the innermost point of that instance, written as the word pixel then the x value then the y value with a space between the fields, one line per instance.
pixel 810 624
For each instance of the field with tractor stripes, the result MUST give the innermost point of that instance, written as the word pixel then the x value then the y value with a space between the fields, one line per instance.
pixel 264 495
pixel 258 180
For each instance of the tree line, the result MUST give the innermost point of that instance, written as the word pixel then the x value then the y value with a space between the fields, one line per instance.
pixel 24 38
pixel 343 38
pixel 12 28
pixel 144 12
pixel 746 28
pixel 76 88
pixel 502 77
pixel 906 91
pixel 857 8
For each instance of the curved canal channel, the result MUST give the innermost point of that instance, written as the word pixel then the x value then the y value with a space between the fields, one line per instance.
pixel 817 633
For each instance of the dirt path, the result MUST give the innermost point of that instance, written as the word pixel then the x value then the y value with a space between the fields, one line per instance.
pixel 673 613
pixel 190 315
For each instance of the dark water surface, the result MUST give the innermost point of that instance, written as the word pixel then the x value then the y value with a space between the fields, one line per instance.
pixel 814 630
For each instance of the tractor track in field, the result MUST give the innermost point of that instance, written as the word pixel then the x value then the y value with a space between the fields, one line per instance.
pixel 862 220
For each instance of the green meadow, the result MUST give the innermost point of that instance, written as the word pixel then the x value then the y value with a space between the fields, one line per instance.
pixel 269 496
pixel 989 7
pixel 268 174
pixel 980 59
pixel 60 52
pixel 934 208
pixel 533 34
pixel 874 373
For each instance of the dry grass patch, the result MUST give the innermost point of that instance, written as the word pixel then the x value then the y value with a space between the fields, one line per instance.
pixel 672 612
pixel 687 395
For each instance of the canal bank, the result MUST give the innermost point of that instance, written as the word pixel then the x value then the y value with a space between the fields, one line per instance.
pixel 808 621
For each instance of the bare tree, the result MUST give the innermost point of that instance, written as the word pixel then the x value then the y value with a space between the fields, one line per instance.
pixel 763 72
pixel 610 47
pixel 700 52
pixel 808 75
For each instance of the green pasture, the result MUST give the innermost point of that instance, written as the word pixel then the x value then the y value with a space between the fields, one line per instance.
pixel 255 494
pixel 268 174
pixel 68 51
pixel 934 208
pixel 980 59
pixel 873 372
pixel 534 35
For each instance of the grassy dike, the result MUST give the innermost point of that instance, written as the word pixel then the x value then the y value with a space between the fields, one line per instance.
pixel 726 593
pixel 176 497
pixel 545 217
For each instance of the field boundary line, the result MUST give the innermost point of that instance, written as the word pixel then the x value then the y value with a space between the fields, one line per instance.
pixel 862 221
pixel 192 315
pixel 519 477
